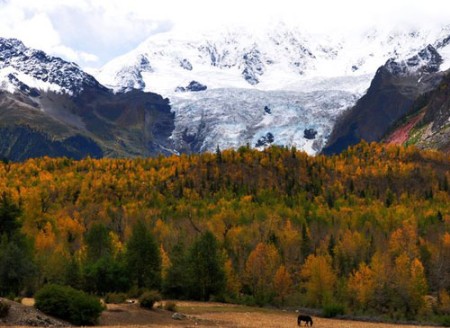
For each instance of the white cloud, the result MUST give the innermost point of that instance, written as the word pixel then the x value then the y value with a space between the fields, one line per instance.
pixel 36 29
pixel 93 31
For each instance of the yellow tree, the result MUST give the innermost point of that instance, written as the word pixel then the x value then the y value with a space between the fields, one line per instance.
pixel 409 285
pixel 51 256
pixel 361 286
pixel 441 263
pixel 319 279
pixel 282 284
pixel 444 302
pixel 380 265
pixel 404 240
pixel 233 285
pixel 260 269
pixel 165 262
pixel 418 287
pixel 289 239
pixel 350 251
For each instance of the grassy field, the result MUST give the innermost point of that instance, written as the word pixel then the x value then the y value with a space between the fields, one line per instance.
pixel 217 315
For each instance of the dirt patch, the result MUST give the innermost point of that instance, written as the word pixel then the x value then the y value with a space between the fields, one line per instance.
pixel 199 314
pixel 279 319
pixel 125 315
pixel 401 135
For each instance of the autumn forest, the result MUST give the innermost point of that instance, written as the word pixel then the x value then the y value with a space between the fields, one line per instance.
pixel 366 232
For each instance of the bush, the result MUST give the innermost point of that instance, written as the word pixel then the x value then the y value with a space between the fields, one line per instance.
pixel 247 300
pixel 445 320
pixel 115 298
pixel 170 306
pixel 4 309
pixel 148 299
pixel 136 292
pixel 69 304
pixel 332 310
pixel 85 309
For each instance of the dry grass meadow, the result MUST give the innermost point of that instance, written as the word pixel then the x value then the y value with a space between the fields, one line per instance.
pixel 217 315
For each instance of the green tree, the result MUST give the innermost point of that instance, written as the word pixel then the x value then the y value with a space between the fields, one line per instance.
pixel 106 275
pixel 16 259
pixel 16 265
pixel 207 274
pixel 177 279
pixel 98 242
pixel 102 271
pixel 73 275
pixel 143 258
pixel 9 216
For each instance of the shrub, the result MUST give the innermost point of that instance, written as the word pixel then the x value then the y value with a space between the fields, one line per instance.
pixel 4 309
pixel 247 300
pixel 136 292
pixel 69 304
pixel 148 299
pixel 332 310
pixel 115 298
pixel 85 309
pixel 170 306
pixel 445 320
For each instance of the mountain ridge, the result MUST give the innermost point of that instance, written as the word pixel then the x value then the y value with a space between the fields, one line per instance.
pixel 52 104
pixel 275 87
pixel 241 72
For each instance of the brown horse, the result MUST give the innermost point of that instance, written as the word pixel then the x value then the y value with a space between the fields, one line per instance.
pixel 306 318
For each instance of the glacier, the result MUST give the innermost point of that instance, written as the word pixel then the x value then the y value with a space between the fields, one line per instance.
pixel 307 80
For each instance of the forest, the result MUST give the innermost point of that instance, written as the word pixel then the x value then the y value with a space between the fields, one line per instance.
pixel 366 232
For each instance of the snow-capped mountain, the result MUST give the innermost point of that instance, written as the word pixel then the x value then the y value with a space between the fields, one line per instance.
pixel 30 70
pixel 306 80
pixel 50 107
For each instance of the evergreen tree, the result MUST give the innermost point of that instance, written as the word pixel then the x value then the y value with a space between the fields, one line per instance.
pixel 305 245
pixel 218 155
pixel 16 266
pixel 177 280
pixel 9 216
pixel 98 242
pixel 106 275
pixel 16 260
pixel 143 258
pixel 207 275
pixel 73 277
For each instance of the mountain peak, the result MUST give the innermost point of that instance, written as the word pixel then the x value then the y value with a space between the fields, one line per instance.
pixel 6 43
pixel 427 60
pixel 307 79
pixel 34 69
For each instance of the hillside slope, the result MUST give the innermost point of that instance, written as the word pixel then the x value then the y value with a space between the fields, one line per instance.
pixel 395 92
pixel 51 107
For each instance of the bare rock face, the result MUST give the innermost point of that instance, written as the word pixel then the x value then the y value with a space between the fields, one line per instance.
pixel 254 67
pixel 391 96
pixel 433 131
pixel 193 86
pixel 428 60
pixel 310 134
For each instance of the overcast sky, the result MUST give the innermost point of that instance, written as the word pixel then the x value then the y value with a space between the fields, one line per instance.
pixel 91 32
